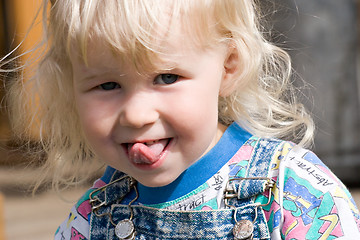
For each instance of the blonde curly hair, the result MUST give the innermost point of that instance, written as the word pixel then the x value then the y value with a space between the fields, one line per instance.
pixel 262 98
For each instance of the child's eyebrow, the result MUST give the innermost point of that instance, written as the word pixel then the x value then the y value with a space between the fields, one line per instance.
pixel 161 70
pixel 93 76
pixel 167 67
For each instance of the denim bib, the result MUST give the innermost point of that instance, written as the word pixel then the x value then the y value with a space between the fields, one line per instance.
pixel 243 218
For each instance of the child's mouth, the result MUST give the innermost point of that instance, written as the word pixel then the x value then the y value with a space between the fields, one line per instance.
pixel 146 153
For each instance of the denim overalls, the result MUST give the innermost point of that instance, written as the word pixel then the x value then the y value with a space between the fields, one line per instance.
pixel 243 218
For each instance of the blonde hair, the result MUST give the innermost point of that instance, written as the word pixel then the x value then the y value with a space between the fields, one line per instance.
pixel 262 99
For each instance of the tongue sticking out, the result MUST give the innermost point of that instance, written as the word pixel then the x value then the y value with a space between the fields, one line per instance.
pixel 141 153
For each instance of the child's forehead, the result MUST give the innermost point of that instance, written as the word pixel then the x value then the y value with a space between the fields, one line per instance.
pixel 100 55
pixel 161 54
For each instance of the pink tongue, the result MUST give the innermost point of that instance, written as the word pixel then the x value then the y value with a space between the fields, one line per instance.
pixel 142 154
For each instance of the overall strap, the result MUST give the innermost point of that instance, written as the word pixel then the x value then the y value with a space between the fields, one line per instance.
pixel 243 187
pixel 256 179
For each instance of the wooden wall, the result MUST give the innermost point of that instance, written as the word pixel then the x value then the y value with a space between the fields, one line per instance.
pixel 16 18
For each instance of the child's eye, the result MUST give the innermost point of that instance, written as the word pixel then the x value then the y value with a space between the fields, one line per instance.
pixel 109 86
pixel 166 79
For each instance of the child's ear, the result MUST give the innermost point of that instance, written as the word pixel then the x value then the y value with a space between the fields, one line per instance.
pixel 231 68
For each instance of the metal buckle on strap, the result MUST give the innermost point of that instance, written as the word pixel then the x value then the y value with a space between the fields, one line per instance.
pixel 125 228
pixel 96 203
pixel 231 191
pixel 243 229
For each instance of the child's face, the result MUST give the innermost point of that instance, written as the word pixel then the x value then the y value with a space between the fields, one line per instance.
pixel 153 125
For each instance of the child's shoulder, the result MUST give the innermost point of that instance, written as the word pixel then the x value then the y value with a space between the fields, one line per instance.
pixel 296 162
pixel 306 192
pixel 304 166
pixel 292 163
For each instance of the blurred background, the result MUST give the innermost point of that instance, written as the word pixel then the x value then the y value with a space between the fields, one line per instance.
pixel 322 37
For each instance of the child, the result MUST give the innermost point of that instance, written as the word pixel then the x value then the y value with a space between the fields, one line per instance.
pixel 185 102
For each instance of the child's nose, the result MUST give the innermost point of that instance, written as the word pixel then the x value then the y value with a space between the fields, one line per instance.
pixel 138 111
